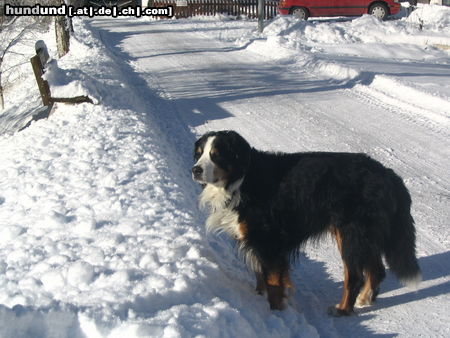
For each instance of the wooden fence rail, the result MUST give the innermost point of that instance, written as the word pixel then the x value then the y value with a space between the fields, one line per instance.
pixel 39 63
pixel 188 8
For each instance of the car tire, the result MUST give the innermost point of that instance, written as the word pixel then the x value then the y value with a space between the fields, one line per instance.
pixel 300 13
pixel 379 10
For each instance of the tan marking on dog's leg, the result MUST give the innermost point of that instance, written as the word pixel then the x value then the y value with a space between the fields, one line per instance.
pixel 375 274
pixel 365 296
pixel 351 280
pixel 275 290
pixel 344 304
pixel 338 237
pixel 274 278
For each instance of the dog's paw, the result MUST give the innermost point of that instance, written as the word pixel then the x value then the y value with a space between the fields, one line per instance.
pixel 260 292
pixel 280 306
pixel 335 312
pixel 363 301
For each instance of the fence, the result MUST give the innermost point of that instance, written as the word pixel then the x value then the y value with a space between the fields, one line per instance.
pixel 188 8
pixel 39 62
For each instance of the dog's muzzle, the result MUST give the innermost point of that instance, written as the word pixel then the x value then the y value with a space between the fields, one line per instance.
pixel 197 172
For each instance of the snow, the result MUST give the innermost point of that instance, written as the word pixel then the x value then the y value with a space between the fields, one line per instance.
pixel 100 233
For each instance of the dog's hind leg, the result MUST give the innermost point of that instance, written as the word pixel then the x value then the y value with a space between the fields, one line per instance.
pixel 352 284
pixel 353 279
pixel 374 274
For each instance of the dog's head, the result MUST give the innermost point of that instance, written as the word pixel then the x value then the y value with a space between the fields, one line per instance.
pixel 222 158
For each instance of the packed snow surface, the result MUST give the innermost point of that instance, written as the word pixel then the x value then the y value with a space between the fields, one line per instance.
pixel 100 234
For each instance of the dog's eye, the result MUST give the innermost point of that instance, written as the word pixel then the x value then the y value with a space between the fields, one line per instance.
pixel 214 153
pixel 198 153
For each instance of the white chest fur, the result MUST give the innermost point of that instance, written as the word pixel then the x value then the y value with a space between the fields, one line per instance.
pixel 222 217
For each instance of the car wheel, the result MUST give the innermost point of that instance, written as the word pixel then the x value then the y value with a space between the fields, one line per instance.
pixel 300 13
pixel 379 11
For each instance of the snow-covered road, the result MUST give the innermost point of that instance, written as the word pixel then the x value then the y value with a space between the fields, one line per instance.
pixel 206 83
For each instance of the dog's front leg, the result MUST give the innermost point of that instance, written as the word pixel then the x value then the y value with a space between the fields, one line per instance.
pixel 275 282
pixel 260 283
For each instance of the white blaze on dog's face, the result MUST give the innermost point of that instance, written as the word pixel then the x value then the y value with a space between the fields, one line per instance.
pixel 205 166
pixel 221 158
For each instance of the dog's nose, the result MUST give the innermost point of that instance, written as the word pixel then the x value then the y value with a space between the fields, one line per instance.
pixel 197 170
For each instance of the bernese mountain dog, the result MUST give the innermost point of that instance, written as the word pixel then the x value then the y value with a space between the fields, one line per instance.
pixel 273 203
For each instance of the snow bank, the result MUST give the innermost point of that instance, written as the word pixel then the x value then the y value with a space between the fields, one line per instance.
pixel 362 36
pixel 317 34
pixel 341 49
pixel 26 322
pixel 432 17
pixel 68 83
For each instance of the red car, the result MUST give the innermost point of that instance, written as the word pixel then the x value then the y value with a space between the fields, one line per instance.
pixel 303 9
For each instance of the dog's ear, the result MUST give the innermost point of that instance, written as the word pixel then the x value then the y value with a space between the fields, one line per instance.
pixel 239 147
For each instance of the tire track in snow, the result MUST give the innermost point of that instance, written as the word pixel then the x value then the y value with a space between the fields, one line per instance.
pixel 436 123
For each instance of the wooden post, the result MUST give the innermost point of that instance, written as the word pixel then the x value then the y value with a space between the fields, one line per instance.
pixel 261 11
pixel 62 33
pixel 44 89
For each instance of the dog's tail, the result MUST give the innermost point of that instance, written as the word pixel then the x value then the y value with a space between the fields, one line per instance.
pixel 400 250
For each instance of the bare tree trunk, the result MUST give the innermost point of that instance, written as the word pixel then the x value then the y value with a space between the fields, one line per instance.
pixel 62 34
